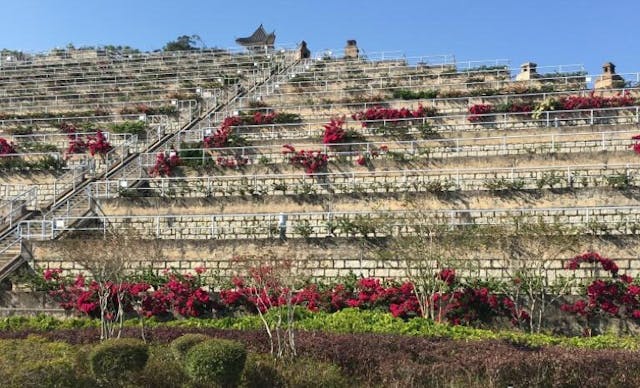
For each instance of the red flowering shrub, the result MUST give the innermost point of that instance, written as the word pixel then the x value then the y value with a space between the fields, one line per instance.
pixel 79 295
pixel 223 137
pixel 593 102
pixel 617 296
pixel 164 164
pixel 182 295
pixel 98 144
pixel 311 161
pixel 366 157
pixel 636 146
pixel 6 147
pixel 477 110
pixel 333 131
pixel 378 113
pixel 76 145
pixel 232 161
pixel 179 294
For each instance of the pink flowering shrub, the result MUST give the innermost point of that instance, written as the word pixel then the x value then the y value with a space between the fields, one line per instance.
pixel 378 113
pixel 333 131
pixel 98 144
pixel 180 295
pixel 594 102
pixel 476 111
pixel 223 137
pixel 312 161
pixel 164 164
pixel 616 296
pixel 636 145
pixel 6 147
pixel 184 295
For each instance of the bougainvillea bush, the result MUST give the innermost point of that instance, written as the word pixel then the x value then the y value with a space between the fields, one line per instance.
pixel 164 164
pixel 333 131
pixel 615 296
pixel 184 295
pixel 376 114
pixel 6 147
pixel 477 112
pixel 313 162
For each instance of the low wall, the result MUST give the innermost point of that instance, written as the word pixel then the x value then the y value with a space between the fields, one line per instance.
pixel 325 259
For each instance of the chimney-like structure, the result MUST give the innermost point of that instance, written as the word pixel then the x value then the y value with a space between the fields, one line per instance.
pixel 303 51
pixel 527 72
pixel 351 50
pixel 609 79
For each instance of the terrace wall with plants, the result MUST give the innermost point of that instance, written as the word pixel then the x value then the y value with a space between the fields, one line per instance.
pixel 328 258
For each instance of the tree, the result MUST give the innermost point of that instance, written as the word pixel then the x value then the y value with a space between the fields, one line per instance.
pixel 531 248
pixel 433 245
pixel 183 43
pixel 107 261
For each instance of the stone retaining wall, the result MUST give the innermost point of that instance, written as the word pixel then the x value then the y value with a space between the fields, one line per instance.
pixel 324 259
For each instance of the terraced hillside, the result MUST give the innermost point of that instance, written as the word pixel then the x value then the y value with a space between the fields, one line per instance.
pixel 326 161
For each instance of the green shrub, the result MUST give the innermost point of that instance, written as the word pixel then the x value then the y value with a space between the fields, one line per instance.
pixel 116 359
pixel 36 362
pixel 161 371
pixel 216 361
pixel 133 127
pixel 52 373
pixel 309 373
pixel 260 370
pixel 181 345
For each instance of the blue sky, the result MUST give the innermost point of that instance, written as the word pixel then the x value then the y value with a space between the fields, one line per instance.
pixel 548 32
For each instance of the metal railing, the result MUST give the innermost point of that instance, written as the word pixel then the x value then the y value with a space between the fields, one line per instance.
pixel 14 208
pixel 455 104
pixel 410 180
pixel 433 148
pixel 598 220
pixel 439 124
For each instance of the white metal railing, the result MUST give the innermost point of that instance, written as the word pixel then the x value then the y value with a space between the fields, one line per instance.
pixel 54 121
pixel 436 148
pixel 414 180
pixel 458 104
pixel 599 219
pixel 278 97
pixel 87 68
pixel 13 208
pixel 439 123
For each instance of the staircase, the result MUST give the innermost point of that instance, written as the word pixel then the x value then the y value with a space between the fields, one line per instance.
pixel 78 203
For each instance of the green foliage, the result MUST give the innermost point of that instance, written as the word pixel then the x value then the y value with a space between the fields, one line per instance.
pixel 287 118
pixel 619 181
pixel 36 362
pixel 181 345
pixel 133 127
pixel 52 373
pixel 261 370
pixel 36 146
pixel 161 371
pixel 309 373
pixel 216 361
pixel 183 43
pixel 118 359
pixel 502 183
pixel 21 130
pixel 411 95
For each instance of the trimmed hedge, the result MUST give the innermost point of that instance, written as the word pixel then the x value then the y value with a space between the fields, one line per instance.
pixel 216 361
pixel 261 370
pixel 181 345
pixel 114 359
